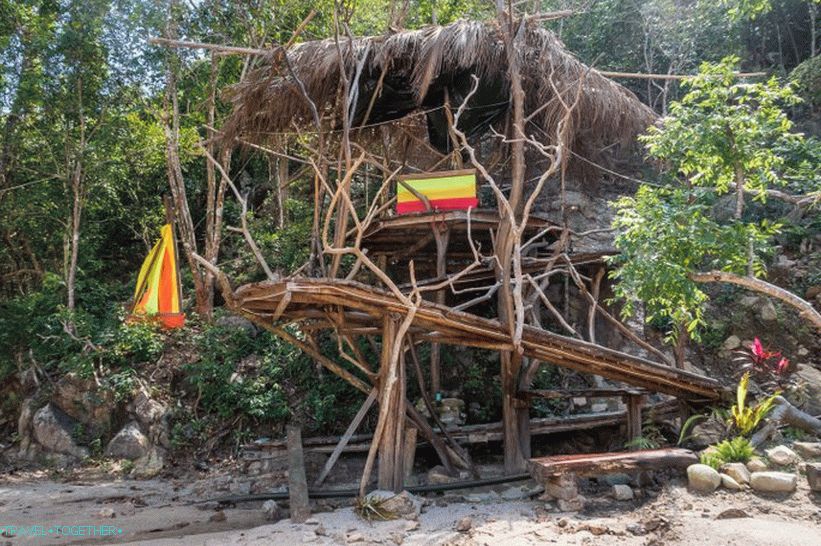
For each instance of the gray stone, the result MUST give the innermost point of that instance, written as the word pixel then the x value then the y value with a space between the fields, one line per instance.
pixel 707 433
pixel 464 524
pixel 732 513
pixel 571 505
pixel 749 301
pixel 147 410
pixel 808 450
pixel 767 312
pixel 562 487
pixel 773 482
pixel 150 464
pixel 732 342
pixel 513 493
pixel 438 475
pixel 403 505
pixel 738 472
pixel 354 537
pixel 622 492
pixel 218 516
pixel 703 478
pixel 130 443
pixel 756 465
pixel 272 510
pixel 814 476
pixel 616 479
pixel 728 482
pixel 235 322
pixel 782 456
pixel 599 407
pixel 488 496
pixel 811 377
pixel 54 430
pixel 107 513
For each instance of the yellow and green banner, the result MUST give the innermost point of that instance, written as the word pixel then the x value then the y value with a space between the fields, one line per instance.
pixel 449 190
pixel 157 294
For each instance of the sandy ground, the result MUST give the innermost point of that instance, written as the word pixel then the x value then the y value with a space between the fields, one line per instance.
pixel 166 512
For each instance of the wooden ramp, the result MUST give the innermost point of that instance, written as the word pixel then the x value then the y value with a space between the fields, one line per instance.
pixel 354 308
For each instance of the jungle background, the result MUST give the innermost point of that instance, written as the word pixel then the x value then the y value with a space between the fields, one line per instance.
pixel 83 107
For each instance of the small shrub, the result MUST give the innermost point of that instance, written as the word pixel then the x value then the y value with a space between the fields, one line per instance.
pixel 746 418
pixel 370 508
pixel 737 450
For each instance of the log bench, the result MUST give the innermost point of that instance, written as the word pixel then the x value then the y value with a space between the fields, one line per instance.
pixel 558 473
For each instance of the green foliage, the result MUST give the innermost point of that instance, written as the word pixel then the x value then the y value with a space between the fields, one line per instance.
pixel 721 133
pixel 746 418
pixel 737 450
pixel 724 128
pixel 687 426
pixel 807 80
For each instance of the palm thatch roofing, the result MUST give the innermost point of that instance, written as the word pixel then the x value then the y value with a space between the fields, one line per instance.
pixel 421 70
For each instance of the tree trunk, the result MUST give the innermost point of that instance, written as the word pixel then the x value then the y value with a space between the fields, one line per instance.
pixel 805 309
pixel 297 482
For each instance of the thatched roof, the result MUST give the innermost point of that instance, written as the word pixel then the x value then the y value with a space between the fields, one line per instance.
pixel 420 67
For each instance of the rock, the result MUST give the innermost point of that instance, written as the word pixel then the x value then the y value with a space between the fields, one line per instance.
pixel 703 478
pixel 272 510
pixel 107 513
pixel 397 538
pixel 599 407
pixel 438 475
pixel 732 342
pixel 237 323
pixel 562 487
pixel 54 430
pixel 403 505
pixel 728 482
pixel 320 530
pixel 811 377
pixel 733 513
pixel 411 526
pixel 808 450
pixel 130 443
pixel 636 529
pixel 579 401
pixel 616 479
pixel 218 516
pixel 85 402
pixel 782 456
pixel 622 492
pixel 814 476
pixel 489 496
pixel 308 536
pixel 572 505
pixel 738 472
pixel 464 524
pixel 150 464
pixel 595 529
pixel 767 312
pixel 707 433
pixel 146 410
pixel 513 493
pixel 756 465
pixel 749 301
pixel 773 482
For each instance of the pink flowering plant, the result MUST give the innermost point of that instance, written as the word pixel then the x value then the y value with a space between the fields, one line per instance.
pixel 770 369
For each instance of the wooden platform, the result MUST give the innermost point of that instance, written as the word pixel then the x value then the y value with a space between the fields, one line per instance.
pixel 357 308
pixel 592 464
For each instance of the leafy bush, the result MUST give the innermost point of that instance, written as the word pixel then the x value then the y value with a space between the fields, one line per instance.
pixel 737 450
pixel 747 418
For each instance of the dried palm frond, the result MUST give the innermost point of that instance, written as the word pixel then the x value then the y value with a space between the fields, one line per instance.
pixel 370 508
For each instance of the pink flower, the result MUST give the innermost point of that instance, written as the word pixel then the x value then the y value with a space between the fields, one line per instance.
pixel 760 354
pixel 782 365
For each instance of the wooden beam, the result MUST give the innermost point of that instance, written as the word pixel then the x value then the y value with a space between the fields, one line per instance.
pixel 597 464
pixel 340 447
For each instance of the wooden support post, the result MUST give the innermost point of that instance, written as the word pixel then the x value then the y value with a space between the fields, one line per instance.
pixel 410 450
pixel 442 239
pixel 357 420
pixel 634 403
pixel 391 443
pixel 297 483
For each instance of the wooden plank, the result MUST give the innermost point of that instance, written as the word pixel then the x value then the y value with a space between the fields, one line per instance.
pixel 569 393
pixel 606 463
pixel 340 447
pixel 297 483
pixel 634 403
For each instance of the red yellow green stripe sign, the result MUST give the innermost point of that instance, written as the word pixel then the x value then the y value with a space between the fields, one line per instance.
pixel 448 190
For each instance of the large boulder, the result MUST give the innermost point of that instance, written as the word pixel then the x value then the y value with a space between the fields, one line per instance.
pixel 707 433
pixel 703 478
pixel 82 400
pixel 150 464
pixel 54 430
pixel 773 482
pixel 130 443
pixel 146 410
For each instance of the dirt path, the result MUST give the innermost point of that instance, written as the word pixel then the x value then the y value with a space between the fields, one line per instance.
pixel 172 512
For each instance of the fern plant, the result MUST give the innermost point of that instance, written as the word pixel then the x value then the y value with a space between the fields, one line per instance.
pixel 737 450
pixel 746 418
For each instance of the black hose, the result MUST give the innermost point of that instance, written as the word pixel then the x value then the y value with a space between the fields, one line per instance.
pixel 348 493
